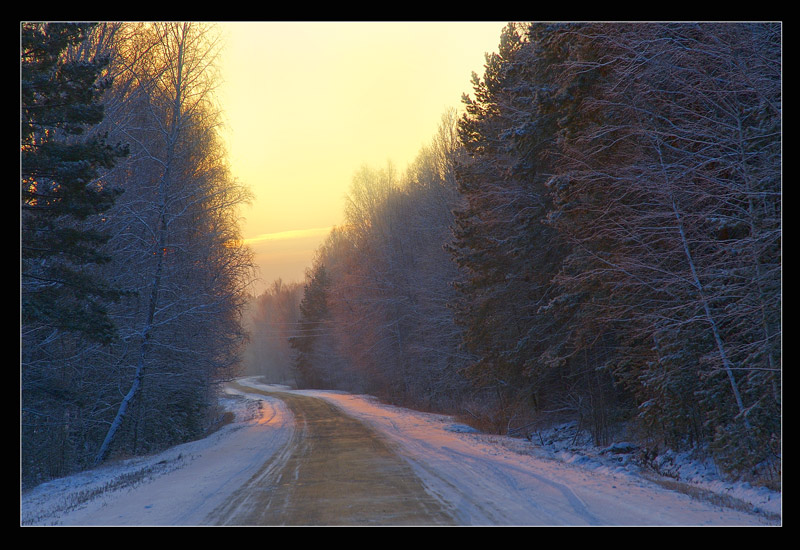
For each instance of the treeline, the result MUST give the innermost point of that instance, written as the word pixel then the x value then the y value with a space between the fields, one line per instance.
pixel 271 319
pixel 132 275
pixel 374 315
pixel 598 238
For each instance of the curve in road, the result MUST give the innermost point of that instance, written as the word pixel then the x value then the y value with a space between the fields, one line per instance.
pixel 334 471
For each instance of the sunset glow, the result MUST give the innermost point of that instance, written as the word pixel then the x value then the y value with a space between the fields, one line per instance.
pixel 307 104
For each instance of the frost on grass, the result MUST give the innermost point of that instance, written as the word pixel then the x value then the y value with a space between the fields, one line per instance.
pixel 61 496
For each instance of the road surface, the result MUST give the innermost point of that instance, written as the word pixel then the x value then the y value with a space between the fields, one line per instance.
pixel 334 471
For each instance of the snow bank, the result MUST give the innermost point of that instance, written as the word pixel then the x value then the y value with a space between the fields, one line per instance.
pixel 561 443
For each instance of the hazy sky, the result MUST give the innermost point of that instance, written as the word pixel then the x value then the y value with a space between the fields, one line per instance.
pixel 307 104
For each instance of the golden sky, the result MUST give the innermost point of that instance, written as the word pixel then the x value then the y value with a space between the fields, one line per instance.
pixel 306 104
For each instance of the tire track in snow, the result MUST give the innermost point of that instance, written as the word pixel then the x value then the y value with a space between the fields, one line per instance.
pixel 505 476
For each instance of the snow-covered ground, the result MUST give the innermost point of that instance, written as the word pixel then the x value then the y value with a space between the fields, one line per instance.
pixel 180 486
pixel 487 480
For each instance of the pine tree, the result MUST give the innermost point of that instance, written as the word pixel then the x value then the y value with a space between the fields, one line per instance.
pixel 62 195
pixel 515 321
pixel 485 230
pixel 313 314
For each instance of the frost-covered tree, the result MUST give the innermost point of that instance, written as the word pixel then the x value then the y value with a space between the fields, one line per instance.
pixel 517 323
pixel 312 329
pixel 180 226
pixel 623 218
pixel 656 187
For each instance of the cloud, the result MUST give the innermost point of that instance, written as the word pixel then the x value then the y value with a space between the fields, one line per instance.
pixel 286 235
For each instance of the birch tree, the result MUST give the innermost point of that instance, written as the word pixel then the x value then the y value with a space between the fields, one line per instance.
pixel 178 224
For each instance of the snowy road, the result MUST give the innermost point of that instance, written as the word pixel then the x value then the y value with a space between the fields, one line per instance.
pixel 268 468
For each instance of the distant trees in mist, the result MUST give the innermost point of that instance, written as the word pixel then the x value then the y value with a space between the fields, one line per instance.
pixel 171 329
pixel 270 319
pixel 597 238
